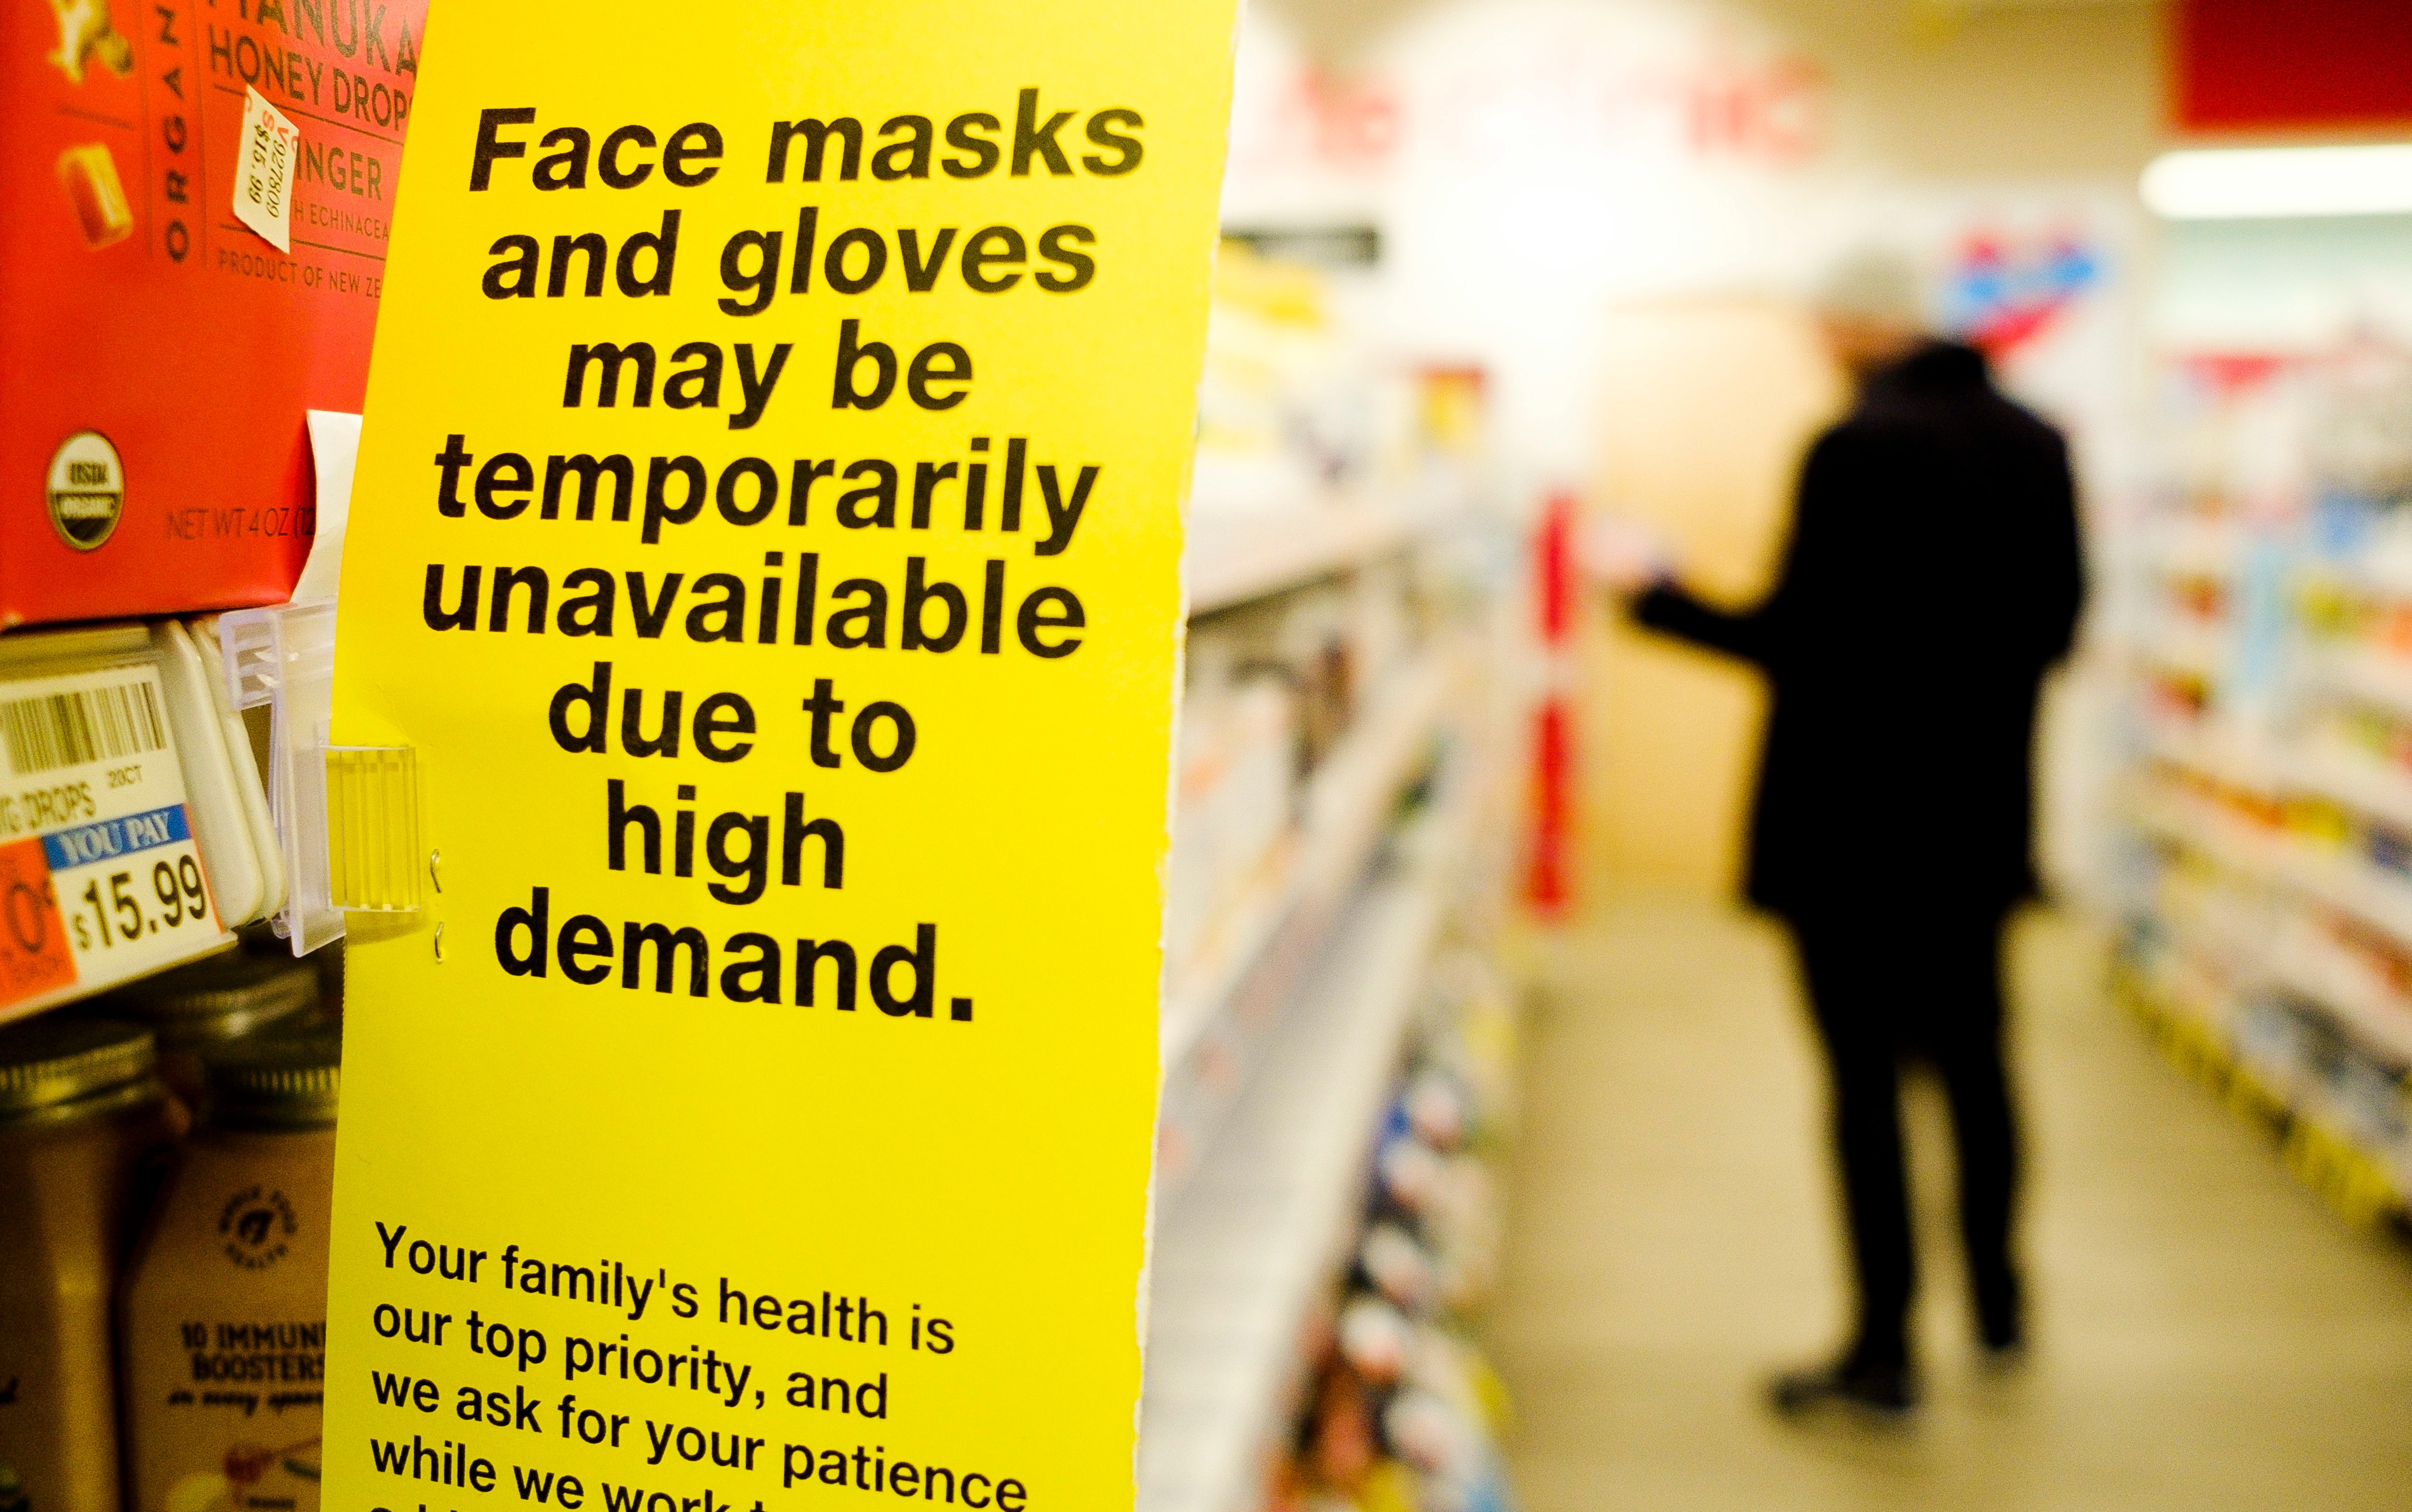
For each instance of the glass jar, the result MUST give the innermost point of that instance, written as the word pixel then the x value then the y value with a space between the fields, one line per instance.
pixel 223 1318
pixel 200 1009
pixel 83 1120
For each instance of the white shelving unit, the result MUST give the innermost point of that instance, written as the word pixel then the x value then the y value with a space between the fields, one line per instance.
pixel 1345 803
pixel 2351 887
pixel 2272 923
pixel 2368 1013
pixel 1244 1250
pixel 1221 1014
pixel 2359 781
pixel 1217 1012
pixel 1235 558
pixel 1281 1040
pixel 2308 1101
pixel 2384 681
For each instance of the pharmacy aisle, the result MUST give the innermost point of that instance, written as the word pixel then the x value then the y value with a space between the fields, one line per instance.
pixel 2208 1335
pixel 1337 1028
pixel 2269 915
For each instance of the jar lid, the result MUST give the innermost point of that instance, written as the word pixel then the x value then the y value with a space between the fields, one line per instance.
pixel 282 1079
pixel 51 1061
pixel 219 998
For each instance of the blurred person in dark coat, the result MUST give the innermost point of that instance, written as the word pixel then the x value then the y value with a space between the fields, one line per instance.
pixel 1931 579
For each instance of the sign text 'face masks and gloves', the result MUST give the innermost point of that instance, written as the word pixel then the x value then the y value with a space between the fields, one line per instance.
pixel 767 536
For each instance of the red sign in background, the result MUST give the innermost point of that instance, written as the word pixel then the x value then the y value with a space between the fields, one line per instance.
pixel 2257 66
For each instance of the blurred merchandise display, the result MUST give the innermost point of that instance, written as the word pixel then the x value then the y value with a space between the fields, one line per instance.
pixel 1346 1196
pixel 2270 915
pixel 1337 1036
pixel 1290 408
pixel 1401 1411
pixel 1275 690
pixel 1316 451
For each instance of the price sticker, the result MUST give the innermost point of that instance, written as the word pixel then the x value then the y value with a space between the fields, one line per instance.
pixel 100 880
pixel 263 179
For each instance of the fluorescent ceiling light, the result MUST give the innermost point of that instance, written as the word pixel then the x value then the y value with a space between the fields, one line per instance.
pixel 2257 182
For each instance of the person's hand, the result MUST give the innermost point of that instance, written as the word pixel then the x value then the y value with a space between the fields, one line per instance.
pixel 1623 557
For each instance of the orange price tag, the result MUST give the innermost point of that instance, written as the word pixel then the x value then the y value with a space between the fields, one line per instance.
pixel 34 955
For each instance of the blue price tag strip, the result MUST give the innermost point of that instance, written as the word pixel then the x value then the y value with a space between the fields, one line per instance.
pixel 108 839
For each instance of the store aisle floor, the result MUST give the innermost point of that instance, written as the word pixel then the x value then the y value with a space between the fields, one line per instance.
pixel 2209 1337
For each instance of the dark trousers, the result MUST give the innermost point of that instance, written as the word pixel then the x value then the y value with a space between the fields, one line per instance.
pixel 1883 985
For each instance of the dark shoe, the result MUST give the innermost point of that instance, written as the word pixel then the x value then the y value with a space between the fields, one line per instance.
pixel 2001 1313
pixel 1887 1392
pixel 2002 1337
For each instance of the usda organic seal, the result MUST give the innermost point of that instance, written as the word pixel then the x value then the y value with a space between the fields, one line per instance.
pixel 87 490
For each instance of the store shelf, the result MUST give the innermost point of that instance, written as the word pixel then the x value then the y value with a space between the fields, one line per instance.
pixel 2325 768
pixel 2380 1022
pixel 2358 781
pixel 2225 755
pixel 2385 573
pixel 2373 677
pixel 2189 547
pixel 1220 1013
pixel 2325 1140
pixel 1345 803
pixel 2192 647
pixel 2319 972
pixel 1243 1253
pixel 2275 969
pixel 2342 881
pixel 1234 558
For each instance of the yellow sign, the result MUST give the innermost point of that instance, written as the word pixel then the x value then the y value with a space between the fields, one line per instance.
pixel 767 536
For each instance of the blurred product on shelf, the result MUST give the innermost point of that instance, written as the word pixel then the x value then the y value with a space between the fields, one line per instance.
pixel 164 351
pixel 1235 808
pixel 1290 408
pixel 223 1315
pixel 1274 687
pixel 1343 574
pixel 1454 403
pixel 1339 818
pixel 1316 449
pixel 2269 920
pixel 197 1009
pixel 81 1114
pixel 1402 1413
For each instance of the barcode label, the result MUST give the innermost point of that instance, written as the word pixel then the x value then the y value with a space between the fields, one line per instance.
pixel 80 725
pixel 101 875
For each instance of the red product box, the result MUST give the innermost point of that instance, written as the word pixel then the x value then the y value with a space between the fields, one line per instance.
pixel 157 353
